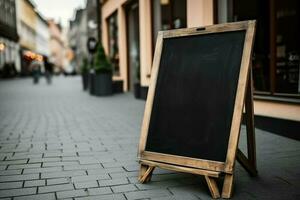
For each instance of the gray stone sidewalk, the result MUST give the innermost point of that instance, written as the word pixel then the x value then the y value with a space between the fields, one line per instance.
pixel 57 142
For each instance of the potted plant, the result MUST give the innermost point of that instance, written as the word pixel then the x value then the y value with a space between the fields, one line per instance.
pixel 103 73
pixel 84 73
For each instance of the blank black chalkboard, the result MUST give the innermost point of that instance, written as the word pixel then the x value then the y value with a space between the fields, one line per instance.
pixel 195 94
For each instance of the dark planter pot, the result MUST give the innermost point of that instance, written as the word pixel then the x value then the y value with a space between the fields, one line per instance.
pixel 117 87
pixel 92 83
pixel 85 80
pixel 103 84
pixel 137 90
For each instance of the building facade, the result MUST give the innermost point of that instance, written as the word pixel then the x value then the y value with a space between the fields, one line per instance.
pixel 129 29
pixel 42 36
pixel 34 35
pixel 9 48
pixel 78 36
pixel 92 19
pixel 56 44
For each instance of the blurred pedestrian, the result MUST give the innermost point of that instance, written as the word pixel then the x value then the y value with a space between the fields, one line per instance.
pixel 35 67
pixel 48 70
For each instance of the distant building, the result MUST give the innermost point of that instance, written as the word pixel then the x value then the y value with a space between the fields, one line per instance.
pixel 78 37
pixel 42 36
pixel 68 68
pixel 56 46
pixel 9 48
pixel 92 20
pixel 34 34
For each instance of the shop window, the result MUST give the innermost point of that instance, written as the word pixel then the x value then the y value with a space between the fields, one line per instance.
pixel 287 47
pixel 167 14
pixel 276 49
pixel 113 33
pixel 258 10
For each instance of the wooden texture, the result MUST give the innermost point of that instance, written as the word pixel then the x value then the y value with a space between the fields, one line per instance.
pixel 250 122
pixel 180 168
pixel 145 173
pixel 249 163
pixel 245 162
pixel 150 96
pixel 227 186
pixel 189 162
pixel 213 187
pixel 240 97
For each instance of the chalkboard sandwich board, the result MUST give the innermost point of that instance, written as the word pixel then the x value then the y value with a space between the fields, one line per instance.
pixel 200 82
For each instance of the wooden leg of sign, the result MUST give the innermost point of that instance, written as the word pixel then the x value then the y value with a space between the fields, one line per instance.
pixel 249 163
pixel 212 186
pixel 227 186
pixel 250 125
pixel 245 162
pixel 145 173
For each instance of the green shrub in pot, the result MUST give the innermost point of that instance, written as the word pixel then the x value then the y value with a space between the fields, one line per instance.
pixel 103 73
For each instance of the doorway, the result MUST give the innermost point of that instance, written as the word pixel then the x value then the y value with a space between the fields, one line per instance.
pixel 133 72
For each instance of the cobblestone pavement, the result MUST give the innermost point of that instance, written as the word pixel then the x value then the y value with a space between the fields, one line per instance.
pixel 57 142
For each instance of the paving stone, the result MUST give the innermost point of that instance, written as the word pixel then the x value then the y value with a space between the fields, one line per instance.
pixel 53 164
pixel 22 155
pixel 124 174
pixel 160 184
pixel 177 197
pixel 107 170
pixel 62 174
pixel 48 196
pixel 19 177
pixel 40 160
pixel 55 188
pixel 55 181
pixel 25 166
pixel 17 192
pixel 71 193
pixel 10 172
pixel 84 167
pixel 34 183
pixel 42 170
pixel 99 191
pixel 10 185
pixel 147 194
pixel 89 184
pixel 90 178
pixel 13 162
pixel 104 197
pixel 3 167
pixel 123 188
pixel 112 182
pixel 59 154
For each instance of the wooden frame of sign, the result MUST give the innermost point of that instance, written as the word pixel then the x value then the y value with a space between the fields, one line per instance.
pixel 244 98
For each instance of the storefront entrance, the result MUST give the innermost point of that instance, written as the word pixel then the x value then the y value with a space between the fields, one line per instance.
pixel 133 44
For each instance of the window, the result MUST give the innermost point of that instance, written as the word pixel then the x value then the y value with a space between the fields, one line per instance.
pixel 113 33
pixel 287 47
pixel 276 49
pixel 168 14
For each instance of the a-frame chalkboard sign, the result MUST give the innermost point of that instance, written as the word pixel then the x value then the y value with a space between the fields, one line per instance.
pixel 201 81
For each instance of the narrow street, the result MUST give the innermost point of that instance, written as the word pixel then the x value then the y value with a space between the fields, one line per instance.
pixel 58 142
